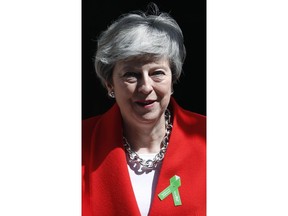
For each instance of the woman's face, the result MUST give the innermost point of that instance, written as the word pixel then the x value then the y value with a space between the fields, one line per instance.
pixel 142 89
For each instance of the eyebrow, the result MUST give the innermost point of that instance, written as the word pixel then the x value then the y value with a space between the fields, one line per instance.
pixel 130 67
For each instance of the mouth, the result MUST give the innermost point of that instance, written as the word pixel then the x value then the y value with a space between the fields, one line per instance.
pixel 145 103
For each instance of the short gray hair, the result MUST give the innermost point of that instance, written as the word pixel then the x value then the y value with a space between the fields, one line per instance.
pixel 140 34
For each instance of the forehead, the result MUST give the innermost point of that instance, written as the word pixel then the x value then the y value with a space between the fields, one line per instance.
pixel 139 62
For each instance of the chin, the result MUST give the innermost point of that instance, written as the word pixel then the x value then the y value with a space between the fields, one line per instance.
pixel 150 116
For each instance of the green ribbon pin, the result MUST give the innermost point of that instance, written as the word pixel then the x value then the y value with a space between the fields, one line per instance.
pixel 172 188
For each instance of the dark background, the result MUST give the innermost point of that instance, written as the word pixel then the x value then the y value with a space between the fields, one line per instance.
pixel 190 92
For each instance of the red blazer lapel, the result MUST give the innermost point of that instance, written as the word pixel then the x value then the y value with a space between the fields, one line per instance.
pixel 110 188
pixel 185 157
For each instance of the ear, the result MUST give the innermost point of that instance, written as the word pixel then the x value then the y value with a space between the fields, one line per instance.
pixel 172 89
pixel 109 86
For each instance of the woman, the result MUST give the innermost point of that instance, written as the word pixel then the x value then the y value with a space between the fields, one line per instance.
pixel 146 155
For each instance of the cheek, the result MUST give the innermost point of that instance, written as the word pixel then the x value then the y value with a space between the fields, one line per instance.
pixel 125 89
pixel 165 88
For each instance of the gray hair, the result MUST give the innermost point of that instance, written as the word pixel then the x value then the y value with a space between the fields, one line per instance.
pixel 140 34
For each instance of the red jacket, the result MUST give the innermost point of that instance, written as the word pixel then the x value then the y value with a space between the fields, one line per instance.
pixel 106 185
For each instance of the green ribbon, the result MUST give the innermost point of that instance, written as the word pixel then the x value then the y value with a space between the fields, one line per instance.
pixel 172 188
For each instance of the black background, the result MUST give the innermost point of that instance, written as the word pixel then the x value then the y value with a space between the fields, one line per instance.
pixel 190 91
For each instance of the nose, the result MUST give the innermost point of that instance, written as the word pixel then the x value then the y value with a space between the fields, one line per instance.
pixel 145 85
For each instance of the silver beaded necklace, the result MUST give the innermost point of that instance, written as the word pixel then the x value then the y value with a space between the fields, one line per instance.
pixel 150 164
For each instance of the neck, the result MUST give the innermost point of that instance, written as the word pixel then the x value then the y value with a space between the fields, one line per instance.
pixel 145 140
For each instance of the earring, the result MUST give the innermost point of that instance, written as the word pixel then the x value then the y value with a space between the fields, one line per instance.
pixel 111 94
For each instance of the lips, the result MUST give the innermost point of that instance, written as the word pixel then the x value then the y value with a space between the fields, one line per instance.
pixel 145 102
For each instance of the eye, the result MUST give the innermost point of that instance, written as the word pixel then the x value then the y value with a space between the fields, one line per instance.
pixel 131 76
pixel 158 73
